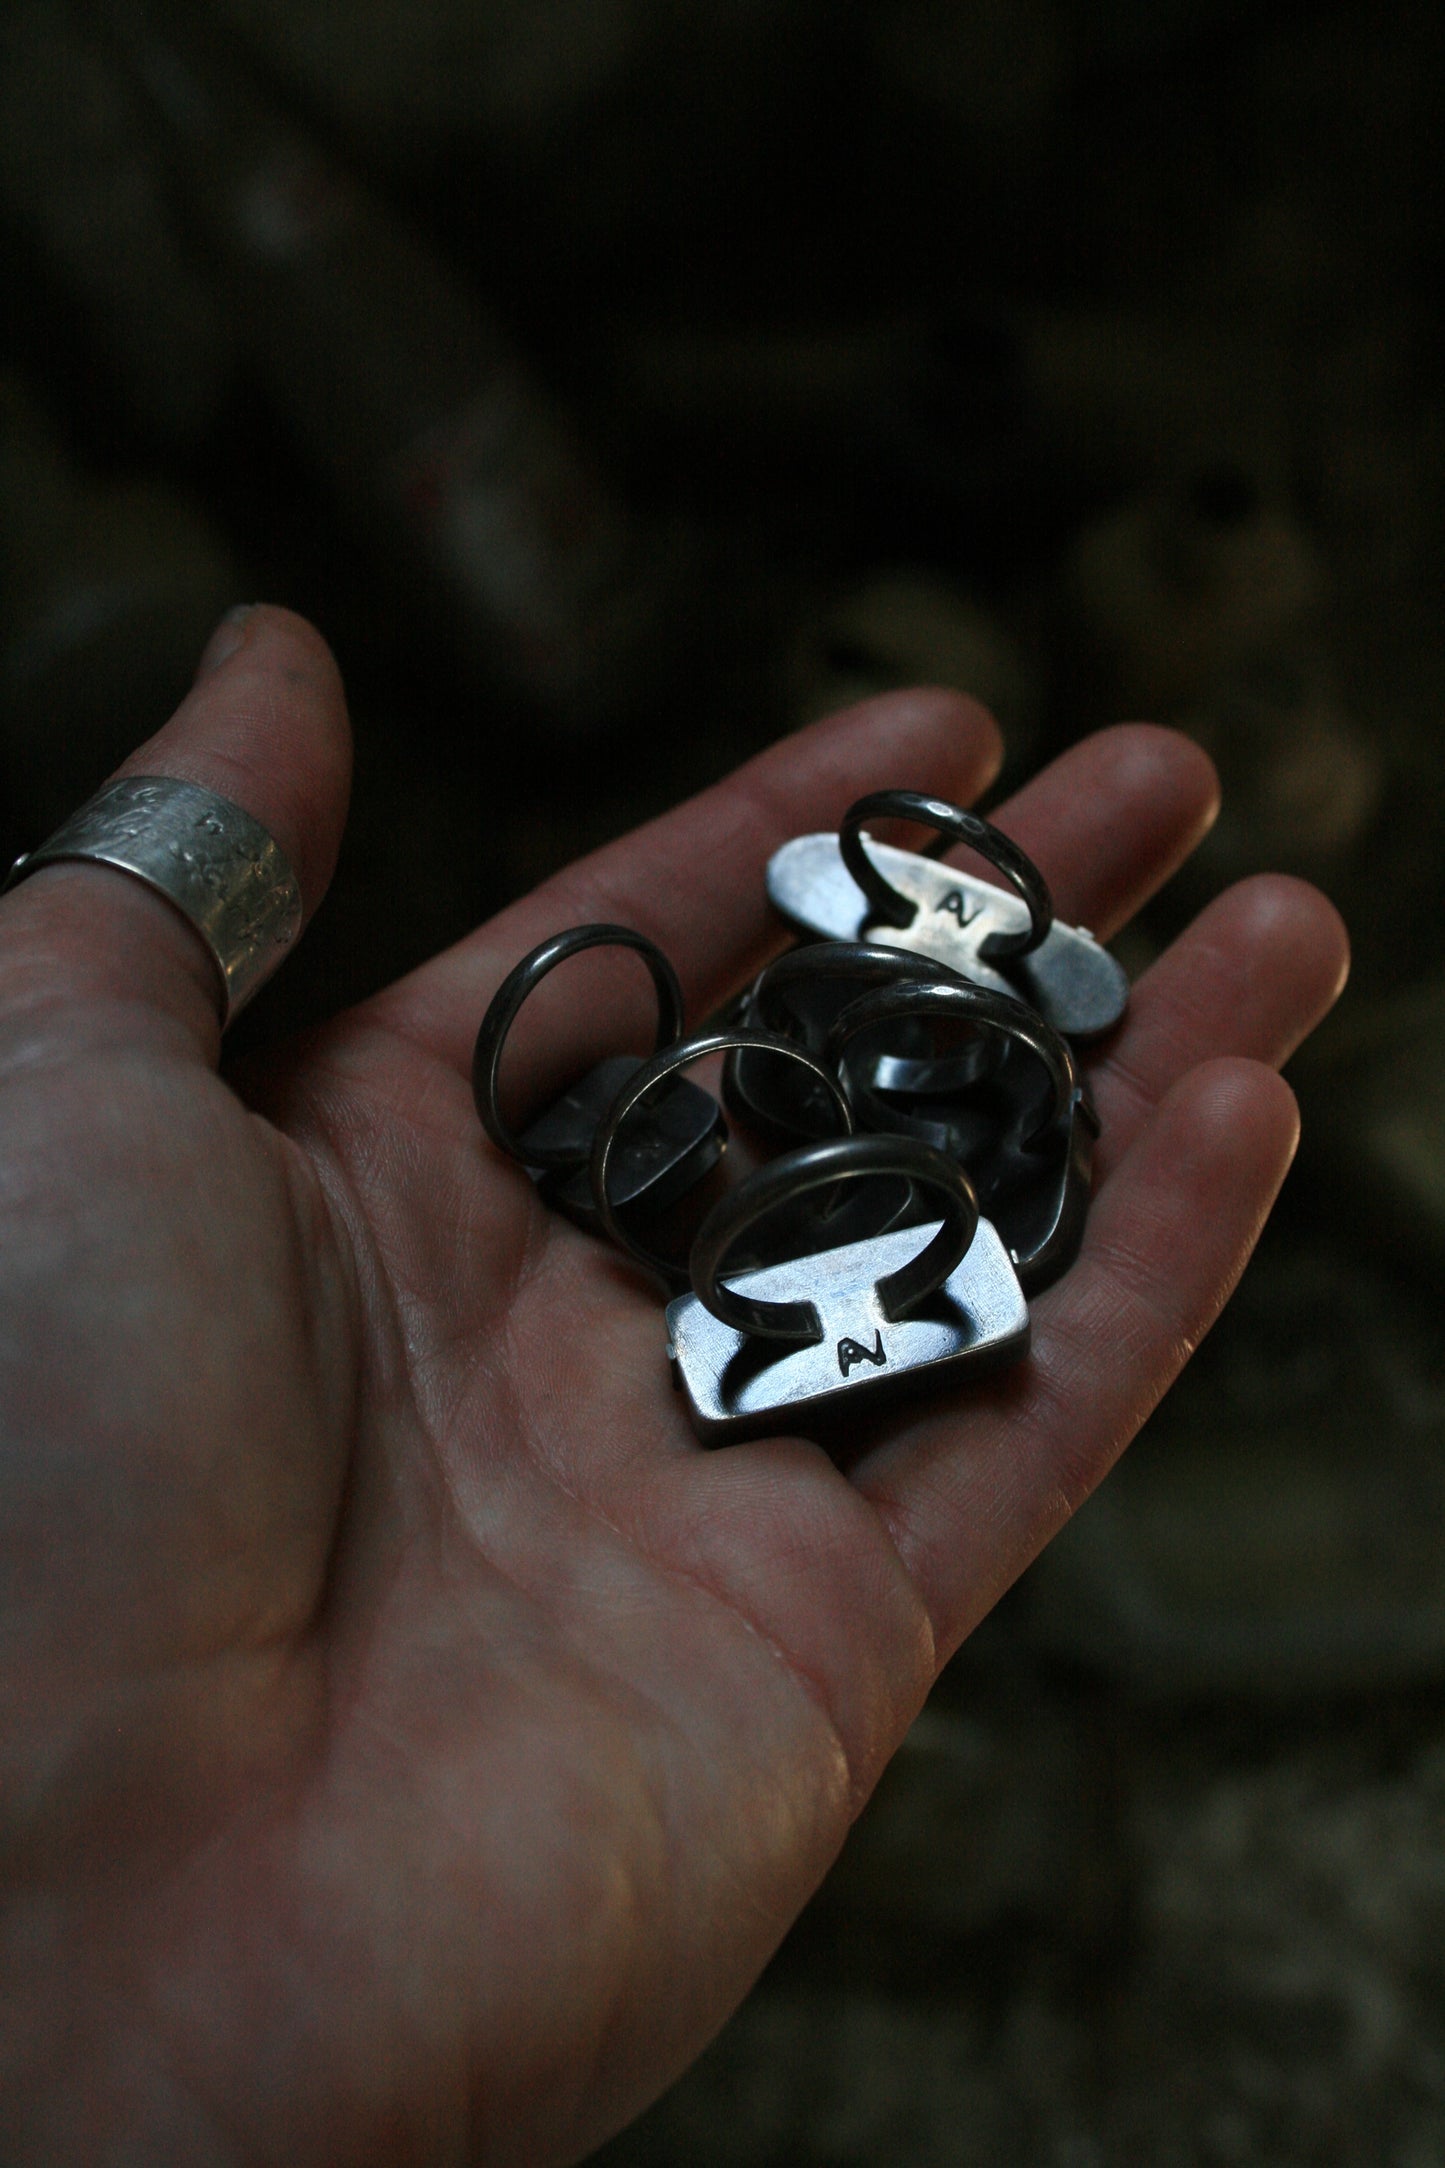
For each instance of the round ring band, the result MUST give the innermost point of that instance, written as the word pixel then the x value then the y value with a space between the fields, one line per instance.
pixel 780 989
pixel 819 1166
pixel 1013 863
pixel 999 1015
pixel 779 1001
pixel 214 863
pixel 513 991
pixel 866 963
pixel 657 1071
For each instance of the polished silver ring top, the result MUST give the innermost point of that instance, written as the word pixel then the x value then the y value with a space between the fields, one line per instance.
pixel 207 856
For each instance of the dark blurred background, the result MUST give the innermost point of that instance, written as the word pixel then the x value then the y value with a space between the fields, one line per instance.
pixel 619 383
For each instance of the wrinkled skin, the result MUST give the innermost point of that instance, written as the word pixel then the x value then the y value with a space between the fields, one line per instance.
pixel 413 1742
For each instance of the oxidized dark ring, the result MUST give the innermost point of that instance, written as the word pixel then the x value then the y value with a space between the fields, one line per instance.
pixel 664 1064
pixel 869 962
pixel 818 1166
pixel 997 1014
pixel 513 991
pixel 1016 866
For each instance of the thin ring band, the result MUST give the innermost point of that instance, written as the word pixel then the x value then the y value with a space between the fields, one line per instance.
pixel 819 1166
pixel 1001 852
pixel 207 856
pixel 513 991
pixel 663 1065
pixel 868 963
pixel 994 1013
pixel 776 1001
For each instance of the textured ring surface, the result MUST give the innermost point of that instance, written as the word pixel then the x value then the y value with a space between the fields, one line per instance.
pixel 207 856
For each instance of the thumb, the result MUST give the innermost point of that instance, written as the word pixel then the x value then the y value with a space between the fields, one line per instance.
pixel 264 725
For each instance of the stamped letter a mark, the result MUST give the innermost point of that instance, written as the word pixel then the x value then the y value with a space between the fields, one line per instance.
pixel 853 1351
pixel 957 906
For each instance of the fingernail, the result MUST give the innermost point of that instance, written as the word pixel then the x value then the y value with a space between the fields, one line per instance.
pixel 224 641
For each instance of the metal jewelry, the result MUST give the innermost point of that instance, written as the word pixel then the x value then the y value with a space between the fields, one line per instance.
pixel 608 1139
pixel 677 1138
pixel 822 1337
pixel 909 1063
pixel 224 873
pixel 1025 1131
pixel 848 888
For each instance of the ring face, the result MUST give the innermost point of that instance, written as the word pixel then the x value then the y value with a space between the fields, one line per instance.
pixel 1074 983
pixel 220 868
pixel 657 1159
pixel 739 1387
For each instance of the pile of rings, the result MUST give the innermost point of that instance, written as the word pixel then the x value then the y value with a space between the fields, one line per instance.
pixel 909 1067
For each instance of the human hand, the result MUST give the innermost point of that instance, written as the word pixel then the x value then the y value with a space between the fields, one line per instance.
pixel 413 1742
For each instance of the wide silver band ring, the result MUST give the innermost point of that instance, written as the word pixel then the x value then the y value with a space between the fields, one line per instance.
pixel 224 872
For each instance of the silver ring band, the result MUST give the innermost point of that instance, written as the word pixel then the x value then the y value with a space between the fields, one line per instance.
pixel 819 1166
pixel 681 1055
pixel 220 868
pixel 952 821
pixel 998 1015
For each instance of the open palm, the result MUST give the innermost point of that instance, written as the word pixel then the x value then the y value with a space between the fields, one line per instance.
pixel 412 1741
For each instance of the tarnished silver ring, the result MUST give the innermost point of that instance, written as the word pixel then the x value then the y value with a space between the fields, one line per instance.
pixel 958 825
pixel 520 982
pixel 655 1072
pixel 819 1166
pixel 799 994
pixel 224 872
pixel 998 1015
